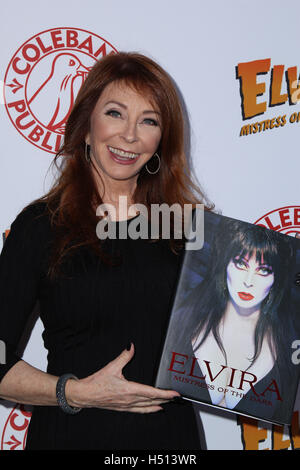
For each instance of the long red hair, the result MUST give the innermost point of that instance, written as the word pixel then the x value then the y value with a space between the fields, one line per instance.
pixel 73 199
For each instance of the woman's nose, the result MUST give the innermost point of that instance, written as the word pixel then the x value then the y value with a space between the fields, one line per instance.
pixel 129 133
pixel 248 280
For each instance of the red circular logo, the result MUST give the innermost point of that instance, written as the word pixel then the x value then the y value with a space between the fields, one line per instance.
pixel 43 79
pixel 15 430
pixel 285 220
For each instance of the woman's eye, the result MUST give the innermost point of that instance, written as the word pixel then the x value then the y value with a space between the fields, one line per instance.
pixel 113 113
pixel 240 264
pixel 151 122
pixel 265 270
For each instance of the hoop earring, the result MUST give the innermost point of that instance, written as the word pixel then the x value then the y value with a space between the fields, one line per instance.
pixel 156 171
pixel 87 153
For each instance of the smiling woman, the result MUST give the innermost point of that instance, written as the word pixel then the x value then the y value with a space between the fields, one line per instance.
pixel 128 104
pixel 124 137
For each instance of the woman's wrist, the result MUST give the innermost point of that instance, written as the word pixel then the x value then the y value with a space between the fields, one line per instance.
pixel 72 393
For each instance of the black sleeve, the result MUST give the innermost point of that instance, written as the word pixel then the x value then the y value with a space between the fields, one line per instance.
pixel 20 272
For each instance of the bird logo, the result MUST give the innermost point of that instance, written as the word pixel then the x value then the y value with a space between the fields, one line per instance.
pixel 43 78
pixel 60 84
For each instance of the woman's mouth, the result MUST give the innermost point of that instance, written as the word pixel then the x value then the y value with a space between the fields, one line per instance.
pixel 123 157
pixel 245 296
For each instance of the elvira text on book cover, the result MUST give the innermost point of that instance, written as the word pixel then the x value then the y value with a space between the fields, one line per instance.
pixel 235 322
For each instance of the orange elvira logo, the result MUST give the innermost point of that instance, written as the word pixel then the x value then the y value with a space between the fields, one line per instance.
pixel 247 73
pixel 273 437
pixel 274 86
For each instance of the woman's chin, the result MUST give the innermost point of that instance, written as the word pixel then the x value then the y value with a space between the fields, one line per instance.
pixel 246 306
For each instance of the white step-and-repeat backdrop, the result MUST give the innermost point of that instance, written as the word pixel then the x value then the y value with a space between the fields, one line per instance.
pixel 237 66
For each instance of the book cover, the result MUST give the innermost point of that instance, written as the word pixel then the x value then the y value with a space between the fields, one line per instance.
pixel 233 339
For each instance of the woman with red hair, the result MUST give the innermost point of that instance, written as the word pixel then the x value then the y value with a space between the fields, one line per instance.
pixel 104 302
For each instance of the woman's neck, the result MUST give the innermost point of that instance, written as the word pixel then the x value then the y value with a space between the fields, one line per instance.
pixel 242 316
pixel 118 194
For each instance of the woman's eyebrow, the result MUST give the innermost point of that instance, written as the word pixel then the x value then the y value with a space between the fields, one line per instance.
pixel 116 102
pixel 151 111
pixel 147 111
pixel 238 257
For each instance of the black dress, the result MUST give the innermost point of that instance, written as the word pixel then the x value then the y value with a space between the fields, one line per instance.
pixel 90 314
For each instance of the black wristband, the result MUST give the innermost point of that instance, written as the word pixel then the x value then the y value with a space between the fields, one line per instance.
pixel 61 396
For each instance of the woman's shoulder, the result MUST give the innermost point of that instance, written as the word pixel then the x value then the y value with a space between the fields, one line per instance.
pixel 33 220
pixel 29 237
pixel 37 210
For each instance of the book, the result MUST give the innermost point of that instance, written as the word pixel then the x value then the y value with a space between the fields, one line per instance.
pixel 233 339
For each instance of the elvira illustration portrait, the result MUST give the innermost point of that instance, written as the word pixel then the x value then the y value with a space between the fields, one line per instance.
pixel 229 341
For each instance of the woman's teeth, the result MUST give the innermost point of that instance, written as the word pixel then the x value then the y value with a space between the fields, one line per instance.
pixel 122 154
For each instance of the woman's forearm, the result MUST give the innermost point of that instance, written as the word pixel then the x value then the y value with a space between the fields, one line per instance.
pixel 25 384
pixel 106 388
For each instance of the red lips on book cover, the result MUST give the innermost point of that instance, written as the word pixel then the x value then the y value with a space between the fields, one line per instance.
pixel 233 340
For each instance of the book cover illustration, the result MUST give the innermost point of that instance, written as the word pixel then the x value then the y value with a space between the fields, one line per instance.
pixel 234 328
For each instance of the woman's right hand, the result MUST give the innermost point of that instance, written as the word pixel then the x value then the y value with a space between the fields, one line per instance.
pixel 108 388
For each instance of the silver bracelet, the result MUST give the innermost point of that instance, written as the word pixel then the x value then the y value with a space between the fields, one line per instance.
pixel 61 396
